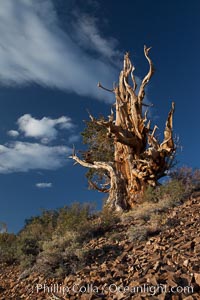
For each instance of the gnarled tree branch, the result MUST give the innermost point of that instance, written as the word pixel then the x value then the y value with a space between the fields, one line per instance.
pixel 93 185
pixel 138 158
pixel 146 79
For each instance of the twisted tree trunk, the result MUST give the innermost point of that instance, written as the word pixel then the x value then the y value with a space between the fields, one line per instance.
pixel 139 158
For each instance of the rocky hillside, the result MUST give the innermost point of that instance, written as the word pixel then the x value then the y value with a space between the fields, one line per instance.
pixel 164 266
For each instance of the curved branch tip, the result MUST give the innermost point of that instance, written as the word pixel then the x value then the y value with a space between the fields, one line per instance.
pixel 102 87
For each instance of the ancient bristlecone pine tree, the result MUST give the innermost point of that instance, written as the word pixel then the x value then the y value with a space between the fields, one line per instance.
pixel 139 159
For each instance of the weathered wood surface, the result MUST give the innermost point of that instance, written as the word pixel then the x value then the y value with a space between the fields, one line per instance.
pixel 140 158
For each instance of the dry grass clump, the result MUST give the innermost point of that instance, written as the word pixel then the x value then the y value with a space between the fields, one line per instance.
pixel 151 215
pixel 138 233
pixel 157 200
pixel 142 231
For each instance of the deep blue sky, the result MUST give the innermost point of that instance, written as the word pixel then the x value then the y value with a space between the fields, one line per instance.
pixel 52 54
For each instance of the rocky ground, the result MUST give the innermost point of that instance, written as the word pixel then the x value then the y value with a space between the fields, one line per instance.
pixel 166 266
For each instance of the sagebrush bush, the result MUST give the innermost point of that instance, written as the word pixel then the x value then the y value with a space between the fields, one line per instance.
pixel 8 244
pixel 138 233
pixel 36 230
pixel 73 217
pixel 116 237
pixel 27 249
pixel 172 191
pixel 151 214
pixel 40 227
pixel 190 178
pixel 59 254
pixel 108 218
pixel 156 220
pixel 53 242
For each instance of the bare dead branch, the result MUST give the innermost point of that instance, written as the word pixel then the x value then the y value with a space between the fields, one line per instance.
pixel 73 150
pixel 95 165
pixel 154 130
pixel 146 79
pixel 111 116
pixel 168 143
pixel 133 79
pixel 96 187
pixel 102 87
pixel 147 105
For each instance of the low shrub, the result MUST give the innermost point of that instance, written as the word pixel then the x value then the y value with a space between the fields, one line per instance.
pixel 189 177
pixel 27 249
pixel 138 233
pixel 60 255
pixel 172 191
pixel 8 244
pixel 72 218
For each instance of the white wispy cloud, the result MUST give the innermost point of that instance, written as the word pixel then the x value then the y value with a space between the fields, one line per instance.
pixel 45 129
pixel 34 48
pixel 43 185
pixel 13 133
pixel 88 35
pixel 23 157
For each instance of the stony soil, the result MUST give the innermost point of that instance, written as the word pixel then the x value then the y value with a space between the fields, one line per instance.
pixel 166 266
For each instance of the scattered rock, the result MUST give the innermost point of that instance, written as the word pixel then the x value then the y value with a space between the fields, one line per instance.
pixel 123 269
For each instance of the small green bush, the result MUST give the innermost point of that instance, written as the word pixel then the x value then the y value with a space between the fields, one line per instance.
pixel 189 177
pixel 102 223
pixel 138 233
pixel 27 250
pixel 172 192
pixel 60 255
pixel 52 243
pixel 108 218
pixel 36 230
pixel 8 244
pixel 40 227
pixel 72 218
